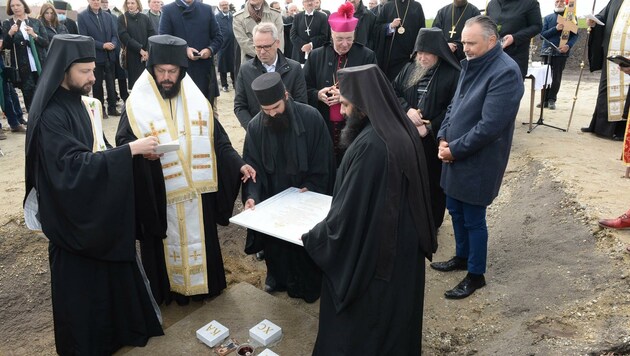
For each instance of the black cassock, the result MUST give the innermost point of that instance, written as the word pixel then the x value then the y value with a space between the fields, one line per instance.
pixel 100 302
pixel 598 49
pixel 318 33
pixel 361 314
pixel 150 209
pixel 446 18
pixel 522 20
pixel 394 50
pixel 364 33
pixel 440 92
pixel 299 157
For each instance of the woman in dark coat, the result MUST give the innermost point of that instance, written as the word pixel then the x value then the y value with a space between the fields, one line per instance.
pixel 25 35
pixel 48 18
pixel 134 30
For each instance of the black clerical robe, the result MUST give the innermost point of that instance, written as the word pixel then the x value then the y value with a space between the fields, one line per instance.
pixel 361 314
pixel 299 157
pixel 365 30
pixel 305 29
pixel 440 91
pixel 100 301
pixel 522 20
pixel 598 49
pixel 150 209
pixel 395 49
pixel 452 16
pixel 320 72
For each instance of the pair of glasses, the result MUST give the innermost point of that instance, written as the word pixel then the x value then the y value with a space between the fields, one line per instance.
pixel 265 47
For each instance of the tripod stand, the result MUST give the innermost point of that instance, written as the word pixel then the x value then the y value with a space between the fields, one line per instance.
pixel 541 120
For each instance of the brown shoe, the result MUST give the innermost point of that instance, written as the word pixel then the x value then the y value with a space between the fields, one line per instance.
pixel 19 129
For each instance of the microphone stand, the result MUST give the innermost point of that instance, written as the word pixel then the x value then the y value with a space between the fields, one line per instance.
pixel 541 121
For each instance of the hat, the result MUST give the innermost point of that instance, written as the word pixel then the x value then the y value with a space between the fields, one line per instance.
pixel 431 40
pixel 269 88
pixel 60 5
pixel 343 20
pixel 167 49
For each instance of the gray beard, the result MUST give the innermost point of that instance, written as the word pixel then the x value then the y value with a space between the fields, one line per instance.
pixel 417 73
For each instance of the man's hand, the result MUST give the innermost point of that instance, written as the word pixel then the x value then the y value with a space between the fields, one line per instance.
pixel 249 204
pixel 248 172
pixel 395 23
pixel 507 41
pixel 190 52
pixel 625 69
pixel 144 146
pixel 206 53
pixel 307 48
pixel 444 152
pixel 108 46
pixel 144 55
pixel 453 47
pixel 590 23
pixel 415 117
pixel 560 27
pixel 564 49
pixel 334 97
pixel 153 156
pixel 302 190
pixel 322 94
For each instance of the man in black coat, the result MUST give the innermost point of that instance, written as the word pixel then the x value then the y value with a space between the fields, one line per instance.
pixel 226 53
pixel 321 69
pixel 364 33
pixel 309 31
pixel 268 59
pixel 425 87
pixel 288 145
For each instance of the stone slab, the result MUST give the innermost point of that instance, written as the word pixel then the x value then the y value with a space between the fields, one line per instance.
pixel 238 308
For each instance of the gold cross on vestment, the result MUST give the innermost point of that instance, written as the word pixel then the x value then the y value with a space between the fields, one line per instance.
pixel 195 254
pixel 200 123
pixel 452 31
pixel 174 256
pixel 154 132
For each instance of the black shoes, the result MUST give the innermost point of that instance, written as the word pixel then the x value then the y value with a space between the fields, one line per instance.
pixel 466 287
pixel 586 129
pixel 113 112
pixel 454 264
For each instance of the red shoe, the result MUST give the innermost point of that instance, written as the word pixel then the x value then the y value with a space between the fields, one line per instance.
pixel 620 223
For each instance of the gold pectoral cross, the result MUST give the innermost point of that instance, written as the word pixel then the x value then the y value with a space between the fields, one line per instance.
pixel 452 31
pixel 154 132
pixel 195 255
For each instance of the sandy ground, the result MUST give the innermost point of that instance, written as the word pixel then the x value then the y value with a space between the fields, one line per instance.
pixel 557 283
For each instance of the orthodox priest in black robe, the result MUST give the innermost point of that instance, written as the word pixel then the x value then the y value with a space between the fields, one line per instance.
pixel 451 19
pixel 397 27
pixel 288 144
pixel 424 88
pixel 309 31
pixel 85 192
pixel 372 245
pixel 365 32
pixel 518 21
pixel 598 51
pixel 154 226
pixel 321 69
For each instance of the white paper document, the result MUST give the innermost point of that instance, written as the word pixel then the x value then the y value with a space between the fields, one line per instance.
pixel 597 21
pixel 167 147
pixel 287 215
pixel 31 211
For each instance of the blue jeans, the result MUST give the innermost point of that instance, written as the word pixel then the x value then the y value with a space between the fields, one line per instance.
pixel 471 233
pixel 12 108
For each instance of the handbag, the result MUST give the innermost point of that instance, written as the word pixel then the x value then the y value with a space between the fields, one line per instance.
pixel 123 50
pixel 9 73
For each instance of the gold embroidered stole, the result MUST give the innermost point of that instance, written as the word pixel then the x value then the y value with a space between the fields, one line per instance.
pixel 188 172
pixel 617 80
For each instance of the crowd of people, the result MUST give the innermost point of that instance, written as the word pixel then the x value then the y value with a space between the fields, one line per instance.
pixel 398 122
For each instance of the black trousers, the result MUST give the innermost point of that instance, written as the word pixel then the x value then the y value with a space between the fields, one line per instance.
pixel 557 67
pixel 105 71
pixel 29 83
pixel 224 82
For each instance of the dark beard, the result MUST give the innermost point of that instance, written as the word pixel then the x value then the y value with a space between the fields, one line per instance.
pixel 84 90
pixel 172 92
pixel 278 123
pixel 355 122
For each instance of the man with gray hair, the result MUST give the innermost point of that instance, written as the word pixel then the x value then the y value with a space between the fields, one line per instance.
pixel 253 13
pixel 474 146
pixel 268 58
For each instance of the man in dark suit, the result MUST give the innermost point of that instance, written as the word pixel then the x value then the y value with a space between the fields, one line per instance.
pixel 226 54
pixel 61 7
pixel 99 25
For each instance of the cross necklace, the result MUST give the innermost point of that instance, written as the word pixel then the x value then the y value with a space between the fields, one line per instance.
pixel 308 25
pixel 452 31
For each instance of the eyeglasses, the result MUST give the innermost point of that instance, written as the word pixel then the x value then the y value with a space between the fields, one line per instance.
pixel 265 47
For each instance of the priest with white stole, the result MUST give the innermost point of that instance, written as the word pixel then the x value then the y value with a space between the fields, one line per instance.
pixel 182 194
pixel 80 194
